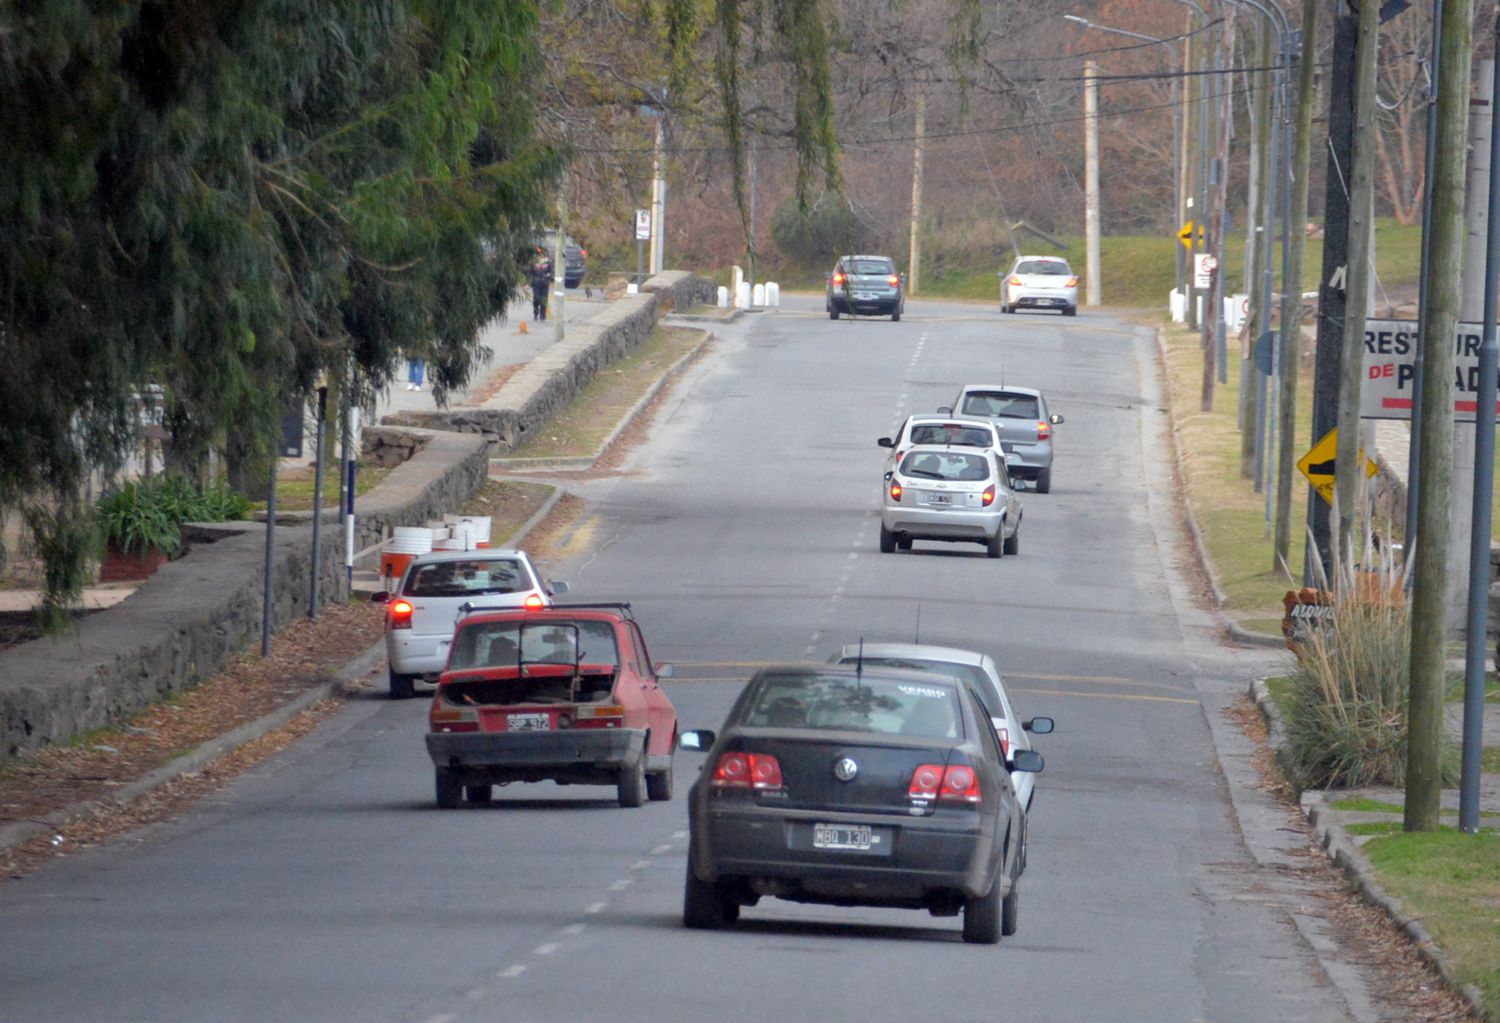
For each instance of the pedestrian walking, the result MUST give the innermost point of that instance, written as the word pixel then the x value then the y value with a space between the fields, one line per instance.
pixel 541 283
pixel 416 369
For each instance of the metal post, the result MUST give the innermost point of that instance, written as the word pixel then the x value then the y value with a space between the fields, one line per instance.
pixel 1267 289
pixel 265 604
pixel 317 522
pixel 1484 486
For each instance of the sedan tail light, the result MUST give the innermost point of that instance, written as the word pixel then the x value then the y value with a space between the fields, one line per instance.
pixel 1016 281
pixel 838 278
pixel 758 771
pixel 1072 282
pixel 401 614
pixel 1043 430
pixel 895 490
pixel 988 497
pixel 893 281
pixel 957 783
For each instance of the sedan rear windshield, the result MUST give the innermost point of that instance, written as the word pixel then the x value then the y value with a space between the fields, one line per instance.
pixel 869 704
pixel 504 644
pixel 999 403
pixel 870 266
pixel 468 578
pixel 979 681
pixel 946 465
pixel 1044 266
pixel 951 433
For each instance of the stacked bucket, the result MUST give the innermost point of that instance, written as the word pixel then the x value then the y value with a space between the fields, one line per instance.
pixel 454 533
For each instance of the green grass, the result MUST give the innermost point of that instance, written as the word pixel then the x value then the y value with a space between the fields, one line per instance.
pixel 1363 805
pixel 295 492
pixel 1449 881
pixel 1490 760
pixel 1491 690
pixel 1280 688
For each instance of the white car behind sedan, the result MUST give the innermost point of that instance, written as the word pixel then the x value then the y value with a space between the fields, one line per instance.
pixel 1040 282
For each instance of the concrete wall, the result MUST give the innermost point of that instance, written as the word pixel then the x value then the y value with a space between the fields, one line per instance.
pixel 535 393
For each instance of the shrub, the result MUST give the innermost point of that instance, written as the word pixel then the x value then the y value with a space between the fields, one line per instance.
pixel 148 514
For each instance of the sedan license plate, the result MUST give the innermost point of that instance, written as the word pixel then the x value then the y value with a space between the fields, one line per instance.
pixel 527 722
pixel 941 500
pixel 864 296
pixel 855 837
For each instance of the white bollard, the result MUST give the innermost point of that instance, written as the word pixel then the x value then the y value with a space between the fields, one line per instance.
pixel 773 294
pixel 723 300
pixel 1177 304
pixel 739 278
pixel 742 295
pixel 758 295
pixel 632 288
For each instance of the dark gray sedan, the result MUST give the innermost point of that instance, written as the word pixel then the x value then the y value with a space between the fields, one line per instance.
pixel 856 786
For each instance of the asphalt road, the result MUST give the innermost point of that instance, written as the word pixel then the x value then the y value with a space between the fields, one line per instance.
pixel 324 886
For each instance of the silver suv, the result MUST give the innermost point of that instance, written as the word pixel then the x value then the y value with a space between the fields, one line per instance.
pixel 951 494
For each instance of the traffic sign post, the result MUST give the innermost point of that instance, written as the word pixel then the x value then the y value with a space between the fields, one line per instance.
pixel 1204 265
pixel 642 235
pixel 1189 234
pixel 1318 464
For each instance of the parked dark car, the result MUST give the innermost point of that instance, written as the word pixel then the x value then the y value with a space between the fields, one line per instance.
pixel 574 255
pixel 854 785
pixel 866 285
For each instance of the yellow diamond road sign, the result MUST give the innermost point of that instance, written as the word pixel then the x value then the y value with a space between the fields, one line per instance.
pixel 1318 464
pixel 1185 234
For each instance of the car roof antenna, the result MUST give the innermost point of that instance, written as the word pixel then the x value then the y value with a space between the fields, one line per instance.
pixel 917 639
pixel 859 663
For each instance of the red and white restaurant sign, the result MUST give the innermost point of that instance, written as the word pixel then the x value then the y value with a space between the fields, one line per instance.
pixel 1386 389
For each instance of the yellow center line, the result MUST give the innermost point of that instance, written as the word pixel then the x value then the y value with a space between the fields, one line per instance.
pixel 1107 680
pixel 1106 696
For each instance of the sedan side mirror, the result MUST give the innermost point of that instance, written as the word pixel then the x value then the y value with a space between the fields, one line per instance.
pixel 885 442
pixel 699 739
pixel 557 589
pixel 1054 419
pixel 1027 761
pixel 380 597
pixel 1038 726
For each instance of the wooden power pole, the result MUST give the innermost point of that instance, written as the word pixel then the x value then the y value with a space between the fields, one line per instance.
pixel 914 257
pixel 1439 322
pixel 1091 180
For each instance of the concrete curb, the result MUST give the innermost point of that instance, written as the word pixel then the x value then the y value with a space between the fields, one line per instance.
pixel 734 314
pixel 363 664
pixel 1345 854
pixel 586 462
pixel 1200 546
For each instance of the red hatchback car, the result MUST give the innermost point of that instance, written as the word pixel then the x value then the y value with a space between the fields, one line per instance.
pixel 566 694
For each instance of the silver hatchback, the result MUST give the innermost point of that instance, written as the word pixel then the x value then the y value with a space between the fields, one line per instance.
pixel 953 495
pixel 1025 425
pixel 1040 282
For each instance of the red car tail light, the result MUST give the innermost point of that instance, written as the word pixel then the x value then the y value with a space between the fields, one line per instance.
pixel 960 784
pixel 401 614
pixel 609 715
pixel 893 281
pixel 895 491
pixel 758 771
pixel 988 497
pixel 1043 430
pixel 925 782
pixel 1015 281
pixel 1004 734
pixel 1072 282
pixel 535 602
pixel 838 278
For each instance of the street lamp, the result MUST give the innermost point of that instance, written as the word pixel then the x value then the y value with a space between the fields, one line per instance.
pixel 1178 146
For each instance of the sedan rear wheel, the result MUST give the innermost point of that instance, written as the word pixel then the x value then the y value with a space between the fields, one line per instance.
pixel 903 543
pixel 896 316
pixel 833 312
pixel 995 545
pixel 1012 544
pixel 982 917
pixel 704 905
pixel 887 541
pixel 632 784
pixel 1010 910
pixel 1044 482
pixel 448 789
pixel 1072 310
pixel 478 794
pixel 403 687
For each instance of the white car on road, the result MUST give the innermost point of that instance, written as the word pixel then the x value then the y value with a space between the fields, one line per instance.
pixel 423 610
pixel 951 494
pixel 1040 282
pixel 927 428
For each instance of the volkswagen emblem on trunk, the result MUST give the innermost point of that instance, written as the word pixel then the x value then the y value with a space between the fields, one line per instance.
pixel 845 769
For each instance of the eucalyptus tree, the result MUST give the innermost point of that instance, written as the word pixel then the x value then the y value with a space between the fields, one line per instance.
pixel 230 201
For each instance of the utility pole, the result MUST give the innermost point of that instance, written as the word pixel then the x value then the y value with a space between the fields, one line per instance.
pixel 1291 299
pixel 1091 180
pixel 1348 487
pixel 1424 726
pixel 1331 299
pixel 1191 169
pixel 560 263
pixel 914 258
pixel 1252 382
pixel 658 191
